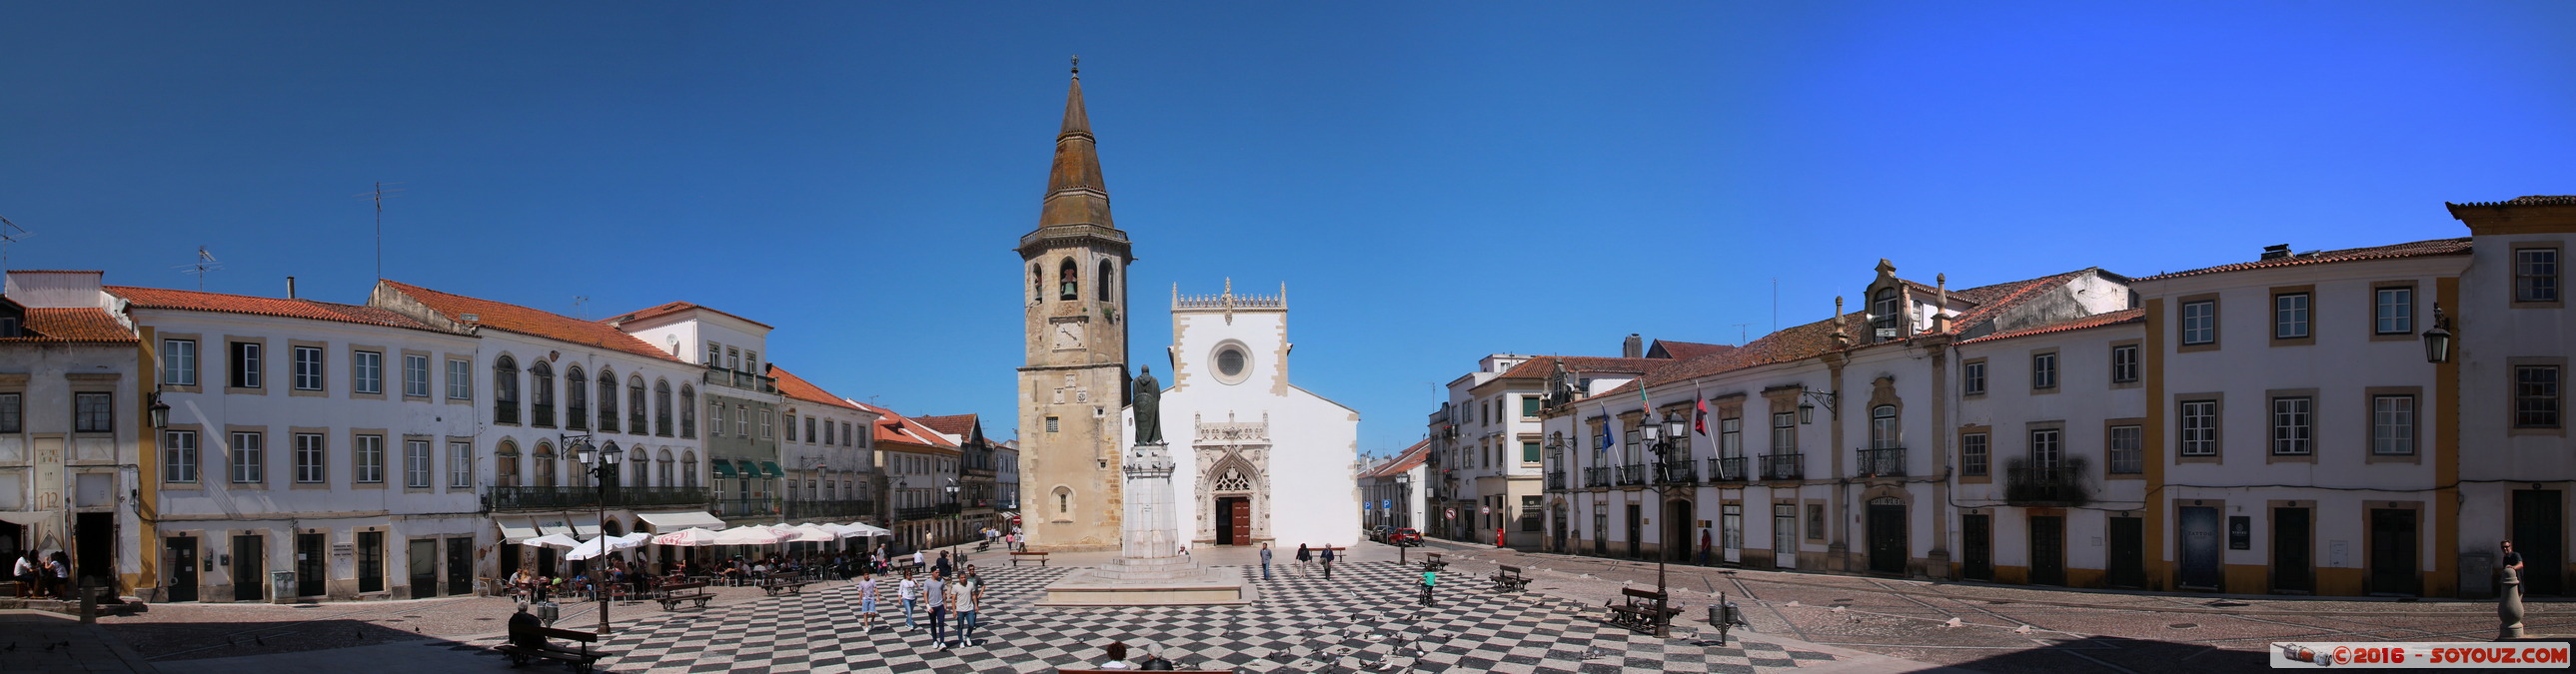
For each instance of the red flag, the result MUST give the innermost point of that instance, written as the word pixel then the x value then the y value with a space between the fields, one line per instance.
pixel 1700 422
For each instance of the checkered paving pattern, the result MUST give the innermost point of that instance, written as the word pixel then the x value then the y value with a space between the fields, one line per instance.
pixel 1364 619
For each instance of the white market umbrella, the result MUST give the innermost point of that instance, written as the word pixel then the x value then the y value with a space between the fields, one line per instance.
pixel 554 541
pixel 747 536
pixel 600 546
pixel 813 534
pixel 692 537
pixel 860 529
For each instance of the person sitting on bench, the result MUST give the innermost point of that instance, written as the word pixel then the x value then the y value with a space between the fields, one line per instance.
pixel 530 639
pixel 1117 657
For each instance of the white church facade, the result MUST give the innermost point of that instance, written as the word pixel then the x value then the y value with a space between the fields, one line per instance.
pixel 1255 458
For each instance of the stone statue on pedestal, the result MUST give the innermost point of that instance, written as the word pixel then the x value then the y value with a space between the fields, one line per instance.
pixel 1149 409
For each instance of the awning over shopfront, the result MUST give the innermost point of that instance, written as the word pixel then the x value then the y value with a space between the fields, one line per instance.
pixel 772 468
pixel 664 523
pixel 516 529
pixel 555 525
pixel 723 468
pixel 749 469
pixel 585 528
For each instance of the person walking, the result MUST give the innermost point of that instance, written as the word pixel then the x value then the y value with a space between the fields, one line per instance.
pixel 1703 547
pixel 1328 563
pixel 867 604
pixel 1430 580
pixel 1304 557
pixel 943 568
pixel 936 592
pixel 905 590
pixel 970 594
pixel 1265 561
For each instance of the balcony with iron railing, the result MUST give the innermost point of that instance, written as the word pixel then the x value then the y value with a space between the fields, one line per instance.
pixel 1882 462
pixel 1784 466
pixel 745 380
pixel 1556 480
pixel 1729 469
pixel 1595 477
pixel 830 509
pixel 2059 483
pixel 911 514
pixel 1679 471
pixel 549 498
pixel 746 507
pixel 1632 474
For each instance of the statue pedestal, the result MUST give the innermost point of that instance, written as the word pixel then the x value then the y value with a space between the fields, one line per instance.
pixel 1150 571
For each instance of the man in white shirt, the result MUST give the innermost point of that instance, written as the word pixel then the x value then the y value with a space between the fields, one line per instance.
pixel 905 590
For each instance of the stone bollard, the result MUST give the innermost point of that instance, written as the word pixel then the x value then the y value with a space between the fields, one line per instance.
pixel 88 605
pixel 2509 605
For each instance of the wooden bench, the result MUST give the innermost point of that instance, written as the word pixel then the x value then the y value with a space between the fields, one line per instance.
pixel 1431 561
pixel 675 593
pixel 1039 557
pixel 579 658
pixel 1645 611
pixel 783 585
pixel 1509 579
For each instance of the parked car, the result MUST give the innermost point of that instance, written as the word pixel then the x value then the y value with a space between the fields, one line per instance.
pixel 1378 532
pixel 1404 536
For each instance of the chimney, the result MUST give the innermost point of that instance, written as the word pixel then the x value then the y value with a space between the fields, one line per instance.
pixel 2276 252
pixel 1941 311
pixel 1634 347
pixel 290 287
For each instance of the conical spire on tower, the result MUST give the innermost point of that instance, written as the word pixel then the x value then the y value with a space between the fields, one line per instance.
pixel 1076 195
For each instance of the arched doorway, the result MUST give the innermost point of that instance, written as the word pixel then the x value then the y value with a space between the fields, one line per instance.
pixel 1678 537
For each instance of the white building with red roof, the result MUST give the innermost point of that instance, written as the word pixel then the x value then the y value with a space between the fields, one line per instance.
pixel 75 426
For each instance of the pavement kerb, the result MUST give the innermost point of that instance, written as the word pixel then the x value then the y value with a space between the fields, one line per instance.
pixel 98 633
pixel 1787 578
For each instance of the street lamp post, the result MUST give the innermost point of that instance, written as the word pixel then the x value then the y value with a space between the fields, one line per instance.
pixel 1403 508
pixel 1662 437
pixel 600 463
pixel 956 513
pixel 894 508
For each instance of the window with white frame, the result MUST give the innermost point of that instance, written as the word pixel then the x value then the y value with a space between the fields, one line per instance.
pixel 2392 425
pixel 416 463
pixel 1972 378
pixel 1730 438
pixel 715 411
pixel 309 449
pixel 2043 370
pixel 13 413
pixel 2290 316
pixel 2199 432
pixel 460 463
pixel 1883 431
pixel 93 413
pixel 2047 448
pixel 369 452
pixel 415 375
pixel 367 372
pixel 245 366
pixel 2127 450
pixel 460 379
pixel 2537 399
pixel 742 420
pixel 2124 363
pixel 2200 322
pixel 179 457
pixel 179 362
pixel 249 466
pixel 2535 274
pixel 2293 425
pixel 1784 433
pixel 765 428
pixel 2392 310
pixel 308 368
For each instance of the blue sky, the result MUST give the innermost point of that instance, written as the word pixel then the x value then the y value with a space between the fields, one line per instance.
pixel 1433 181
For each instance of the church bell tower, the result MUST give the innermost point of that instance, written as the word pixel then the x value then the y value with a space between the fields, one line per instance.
pixel 1074 380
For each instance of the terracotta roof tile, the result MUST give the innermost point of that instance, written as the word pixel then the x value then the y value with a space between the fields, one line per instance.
pixel 2093 321
pixel 1403 461
pixel 72 325
pixel 673 308
pixel 902 430
pixel 2458 246
pixel 796 387
pixel 1686 350
pixel 514 318
pixel 191 300
pixel 2533 200
pixel 1542 366
pixel 954 424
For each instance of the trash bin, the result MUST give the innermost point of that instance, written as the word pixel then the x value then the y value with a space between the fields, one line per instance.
pixel 547 612
pixel 281 587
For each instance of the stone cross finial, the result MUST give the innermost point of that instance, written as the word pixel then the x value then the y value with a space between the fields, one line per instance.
pixel 1077 65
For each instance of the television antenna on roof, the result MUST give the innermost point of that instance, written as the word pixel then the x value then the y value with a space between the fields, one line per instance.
pixel 205 263
pixel 379 195
pixel 10 233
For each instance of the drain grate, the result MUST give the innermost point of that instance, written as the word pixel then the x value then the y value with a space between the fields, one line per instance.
pixel 2183 626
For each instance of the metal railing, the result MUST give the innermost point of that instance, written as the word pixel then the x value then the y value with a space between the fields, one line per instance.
pixel 1634 473
pixel 519 498
pixel 910 514
pixel 2045 485
pixel 746 508
pixel 1682 471
pixel 1882 462
pixel 1598 476
pixel 1784 466
pixel 744 380
pixel 1556 480
pixel 1726 469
